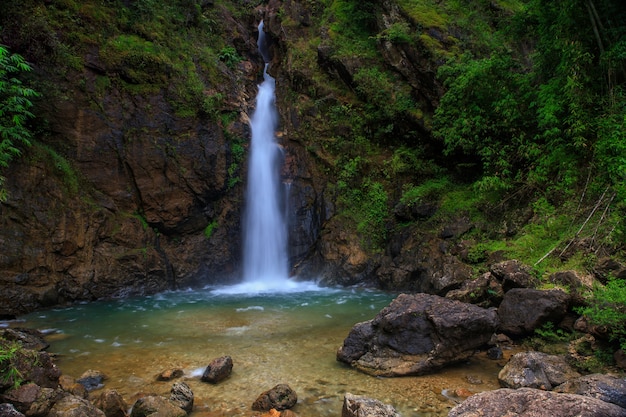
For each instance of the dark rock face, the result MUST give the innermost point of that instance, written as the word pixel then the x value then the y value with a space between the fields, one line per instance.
pixel 281 397
pixel 529 402
pixel 218 370
pixel 536 370
pixel 360 406
pixel 523 310
pixel 603 387
pixel 417 334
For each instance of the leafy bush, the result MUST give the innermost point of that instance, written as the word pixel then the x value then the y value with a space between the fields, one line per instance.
pixel 608 309
pixel 9 374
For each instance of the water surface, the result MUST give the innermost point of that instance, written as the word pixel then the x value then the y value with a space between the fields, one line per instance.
pixel 287 338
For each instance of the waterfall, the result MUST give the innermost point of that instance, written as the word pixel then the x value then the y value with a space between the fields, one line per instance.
pixel 265 239
pixel 265 259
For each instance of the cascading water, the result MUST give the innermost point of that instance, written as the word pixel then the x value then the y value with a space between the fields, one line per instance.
pixel 265 243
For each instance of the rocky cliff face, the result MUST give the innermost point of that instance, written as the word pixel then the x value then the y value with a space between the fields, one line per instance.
pixel 123 195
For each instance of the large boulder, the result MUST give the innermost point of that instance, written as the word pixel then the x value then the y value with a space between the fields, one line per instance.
pixel 536 370
pixel 603 387
pixel 360 406
pixel 530 402
pixel 523 310
pixel 417 334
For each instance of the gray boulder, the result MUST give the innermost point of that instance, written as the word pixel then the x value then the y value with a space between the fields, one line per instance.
pixel 360 406
pixel 523 310
pixel 603 387
pixel 536 370
pixel 530 402
pixel 417 334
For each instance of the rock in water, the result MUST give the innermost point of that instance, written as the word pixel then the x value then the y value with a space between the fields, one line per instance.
pixel 417 334
pixel 218 370
pixel 182 396
pixel 281 397
pixel 360 406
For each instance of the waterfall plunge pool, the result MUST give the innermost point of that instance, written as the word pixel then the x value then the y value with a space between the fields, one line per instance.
pixel 273 338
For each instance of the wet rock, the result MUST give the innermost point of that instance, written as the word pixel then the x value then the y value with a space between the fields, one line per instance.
pixel 92 380
pixel 281 397
pixel 361 406
pixel 170 374
pixel 495 353
pixel 523 310
pixel 536 370
pixel 182 396
pixel 513 274
pixel 73 406
pixel 530 402
pixel 417 334
pixel 154 405
pixel 111 403
pixel 8 410
pixel 607 388
pixel 218 370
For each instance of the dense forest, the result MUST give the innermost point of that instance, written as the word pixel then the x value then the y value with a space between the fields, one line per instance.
pixel 510 114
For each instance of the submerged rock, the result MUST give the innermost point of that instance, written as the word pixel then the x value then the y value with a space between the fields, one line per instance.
pixel 417 334
pixel 360 406
pixel 281 397
pixel 530 402
pixel 92 380
pixel 218 370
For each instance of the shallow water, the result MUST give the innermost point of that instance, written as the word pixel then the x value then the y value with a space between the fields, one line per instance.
pixel 287 338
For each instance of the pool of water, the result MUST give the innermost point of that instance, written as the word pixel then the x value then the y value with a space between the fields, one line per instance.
pixel 290 338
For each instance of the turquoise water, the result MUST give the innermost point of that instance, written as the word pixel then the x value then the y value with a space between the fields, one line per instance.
pixel 287 338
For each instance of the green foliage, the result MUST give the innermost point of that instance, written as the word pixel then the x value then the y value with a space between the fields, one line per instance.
pixel 398 33
pixel 15 106
pixel 430 190
pixel 608 309
pixel 9 355
pixel 229 56
pixel 210 228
